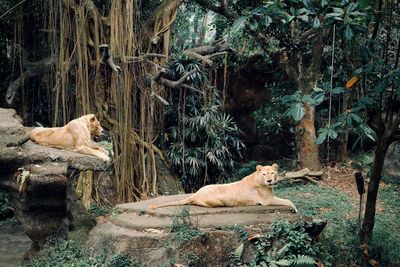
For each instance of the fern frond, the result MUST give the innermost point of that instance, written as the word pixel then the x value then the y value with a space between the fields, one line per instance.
pixel 304 261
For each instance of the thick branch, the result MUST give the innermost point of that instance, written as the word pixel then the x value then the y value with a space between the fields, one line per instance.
pixel 177 83
pixel 222 9
pixel 206 52
pixel 31 69
pixel 303 174
pixel 108 58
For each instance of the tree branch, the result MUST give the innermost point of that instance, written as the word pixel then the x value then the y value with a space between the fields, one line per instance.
pixel 206 52
pixel 177 83
pixel 222 9
pixel 303 174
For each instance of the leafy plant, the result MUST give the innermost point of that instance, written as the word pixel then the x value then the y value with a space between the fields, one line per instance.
pixel 70 253
pixel 286 244
pixel 272 117
pixel 122 260
pixel 202 140
pixel 183 228
pixel 238 229
pixel 96 210
pixel 6 205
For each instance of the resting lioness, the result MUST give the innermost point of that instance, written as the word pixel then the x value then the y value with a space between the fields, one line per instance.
pixel 255 189
pixel 76 135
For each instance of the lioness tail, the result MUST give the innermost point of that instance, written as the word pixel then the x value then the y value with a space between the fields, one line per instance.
pixel 173 203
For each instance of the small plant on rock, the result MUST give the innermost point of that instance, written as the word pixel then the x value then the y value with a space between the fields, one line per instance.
pixel 183 228
pixel 6 207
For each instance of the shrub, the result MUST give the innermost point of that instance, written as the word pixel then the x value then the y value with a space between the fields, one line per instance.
pixel 96 210
pixel 72 254
pixel 202 141
pixel 286 244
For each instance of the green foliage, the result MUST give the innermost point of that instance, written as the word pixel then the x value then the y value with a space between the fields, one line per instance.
pixel 72 254
pixel 183 228
pixel 202 140
pixel 237 254
pixel 122 260
pixel 338 240
pixel 96 210
pixel 385 243
pixel 271 116
pixel 286 244
pixel 339 243
pixel 6 205
pixel 191 259
pixel 245 170
pixel 238 229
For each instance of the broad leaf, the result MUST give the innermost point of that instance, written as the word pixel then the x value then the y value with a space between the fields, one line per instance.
pixel 267 21
pixel 334 15
pixel 332 133
pixel 308 100
pixel 296 111
pixel 348 33
pixel 316 23
pixel 338 90
pixel 238 24
pixel 380 87
pixel 253 24
pixel 321 137
pixel 338 10
pixel 368 132
pixel 319 98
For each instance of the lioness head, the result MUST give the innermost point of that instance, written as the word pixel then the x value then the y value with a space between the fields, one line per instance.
pixel 268 174
pixel 94 126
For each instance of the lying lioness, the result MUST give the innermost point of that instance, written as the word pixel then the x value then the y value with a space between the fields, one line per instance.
pixel 255 189
pixel 77 135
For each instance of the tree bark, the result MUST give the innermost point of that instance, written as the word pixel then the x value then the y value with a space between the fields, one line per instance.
pixel 307 149
pixel 373 187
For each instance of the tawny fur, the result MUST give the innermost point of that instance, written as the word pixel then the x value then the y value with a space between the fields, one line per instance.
pixel 77 135
pixel 255 189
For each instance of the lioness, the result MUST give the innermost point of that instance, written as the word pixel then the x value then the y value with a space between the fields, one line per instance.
pixel 255 189
pixel 76 135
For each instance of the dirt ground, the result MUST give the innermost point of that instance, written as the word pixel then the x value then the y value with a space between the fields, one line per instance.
pixel 342 178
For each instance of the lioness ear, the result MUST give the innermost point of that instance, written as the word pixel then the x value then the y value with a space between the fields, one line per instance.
pixel 259 167
pixel 92 118
pixel 275 166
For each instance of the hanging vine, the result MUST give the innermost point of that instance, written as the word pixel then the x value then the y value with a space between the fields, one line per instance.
pixel 124 99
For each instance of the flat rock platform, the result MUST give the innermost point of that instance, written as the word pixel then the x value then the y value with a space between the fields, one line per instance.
pixel 146 234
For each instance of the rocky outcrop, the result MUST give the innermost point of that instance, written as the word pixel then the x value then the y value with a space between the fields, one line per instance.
pixel 392 160
pixel 146 234
pixel 37 176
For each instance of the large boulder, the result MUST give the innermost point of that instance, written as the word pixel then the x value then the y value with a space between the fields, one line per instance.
pixel 392 160
pixel 38 178
pixel 146 234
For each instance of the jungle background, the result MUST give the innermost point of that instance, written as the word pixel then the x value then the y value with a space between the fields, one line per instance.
pixel 211 88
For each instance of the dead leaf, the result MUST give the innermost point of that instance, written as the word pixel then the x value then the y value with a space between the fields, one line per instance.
pixel 351 82
pixel 254 237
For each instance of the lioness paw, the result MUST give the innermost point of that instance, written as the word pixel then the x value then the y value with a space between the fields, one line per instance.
pixel 104 157
pixel 295 210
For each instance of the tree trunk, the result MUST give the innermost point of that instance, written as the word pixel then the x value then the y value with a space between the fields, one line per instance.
pixel 373 187
pixel 342 148
pixel 307 149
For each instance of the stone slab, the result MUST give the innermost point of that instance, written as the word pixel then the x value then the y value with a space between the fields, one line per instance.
pixel 137 222
pixel 142 207
pixel 12 131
